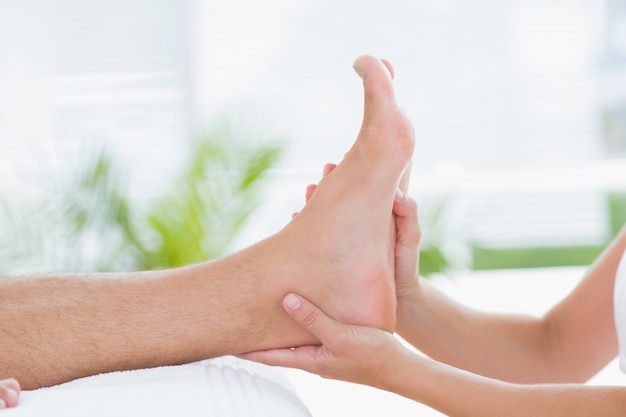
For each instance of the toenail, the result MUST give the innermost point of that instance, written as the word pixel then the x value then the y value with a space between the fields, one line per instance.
pixel 399 195
pixel 3 404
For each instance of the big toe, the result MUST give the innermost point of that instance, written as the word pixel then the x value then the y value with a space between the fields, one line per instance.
pixel 377 76
pixel 385 129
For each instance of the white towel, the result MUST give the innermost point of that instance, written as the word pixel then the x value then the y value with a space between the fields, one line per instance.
pixel 225 386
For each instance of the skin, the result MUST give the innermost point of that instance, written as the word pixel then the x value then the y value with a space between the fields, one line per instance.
pixel 9 393
pixel 374 357
pixel 56 328
pixel 570 343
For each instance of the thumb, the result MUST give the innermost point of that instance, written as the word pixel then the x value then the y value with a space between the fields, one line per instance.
pixel 406 179
pixel 311 318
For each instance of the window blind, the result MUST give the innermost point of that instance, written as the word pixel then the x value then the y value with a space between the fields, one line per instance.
pixel 498 90
pixel 495 89
pixel 76 76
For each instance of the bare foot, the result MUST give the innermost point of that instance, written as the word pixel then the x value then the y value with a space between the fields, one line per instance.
pixel 346 232
pixel 9 393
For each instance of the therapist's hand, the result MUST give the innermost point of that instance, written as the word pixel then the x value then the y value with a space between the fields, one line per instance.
pixel 9 393
pixel 348 353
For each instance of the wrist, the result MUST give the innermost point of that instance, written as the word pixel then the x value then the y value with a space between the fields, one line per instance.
pixel 388 377
pixel 416 311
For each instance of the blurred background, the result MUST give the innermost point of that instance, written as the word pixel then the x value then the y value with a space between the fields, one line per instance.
pixel 154 133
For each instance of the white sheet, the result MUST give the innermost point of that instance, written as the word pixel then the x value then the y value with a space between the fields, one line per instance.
pixel 218 387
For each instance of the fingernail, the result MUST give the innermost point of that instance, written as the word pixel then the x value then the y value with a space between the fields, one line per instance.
pixel 399 195
pixel 3 404
pixel 358 69
pixel 292 302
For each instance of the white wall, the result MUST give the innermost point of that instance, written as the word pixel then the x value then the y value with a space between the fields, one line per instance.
pixel 75 75
pixel 503 95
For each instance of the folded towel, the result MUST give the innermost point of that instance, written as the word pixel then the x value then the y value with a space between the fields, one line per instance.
pixel 224 386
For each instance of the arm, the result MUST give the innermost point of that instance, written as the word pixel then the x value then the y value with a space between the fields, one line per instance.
pixel 376 358
pixel 460 393
pixel 570 343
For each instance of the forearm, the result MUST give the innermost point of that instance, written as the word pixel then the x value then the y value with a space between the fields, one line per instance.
pixel 507 347
pixel 458 393
pixel 570 343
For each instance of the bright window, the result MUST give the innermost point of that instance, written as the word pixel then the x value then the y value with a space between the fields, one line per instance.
pixel 508 97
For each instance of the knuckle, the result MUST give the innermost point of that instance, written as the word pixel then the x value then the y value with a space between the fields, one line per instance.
pixel 310 318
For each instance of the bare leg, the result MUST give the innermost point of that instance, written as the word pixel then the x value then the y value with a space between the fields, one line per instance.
pixel 338 253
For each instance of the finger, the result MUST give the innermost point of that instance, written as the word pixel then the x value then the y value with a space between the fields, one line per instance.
pixel 310 189
pixel 312 319
pixel 379 92
pixel 328 168
pixel 406 178
pixel 13 383
pixel 407 221
pixel 301 357
pixel 404 205
pixel 315 322
pixel 9 392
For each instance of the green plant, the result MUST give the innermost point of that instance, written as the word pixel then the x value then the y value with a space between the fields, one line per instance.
pixel 434 258
pixel 553 256
pixel 91 222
